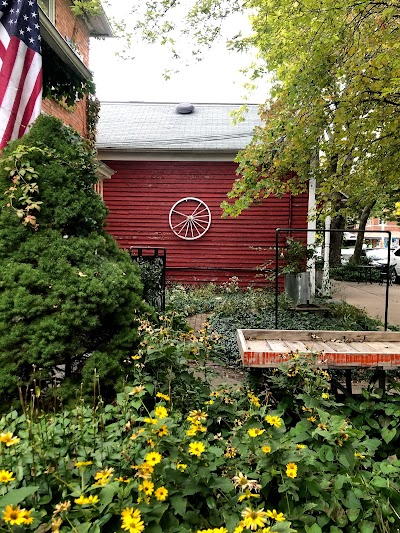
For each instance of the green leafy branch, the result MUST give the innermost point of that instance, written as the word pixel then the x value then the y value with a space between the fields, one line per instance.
pixel 86 7
pixel 24 192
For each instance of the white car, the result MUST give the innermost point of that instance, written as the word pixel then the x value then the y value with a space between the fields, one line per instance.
pixel 379 257
pixel 347 253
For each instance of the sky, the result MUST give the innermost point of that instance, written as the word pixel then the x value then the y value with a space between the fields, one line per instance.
pixel 216 79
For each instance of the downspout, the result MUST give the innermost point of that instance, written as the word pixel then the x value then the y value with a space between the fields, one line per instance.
pixel 312 225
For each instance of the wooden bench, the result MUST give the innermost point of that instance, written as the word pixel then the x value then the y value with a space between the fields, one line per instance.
pixel 380 350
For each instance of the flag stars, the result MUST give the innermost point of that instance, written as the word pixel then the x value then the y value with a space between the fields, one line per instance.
pixel 31 40
pixel 28 29
pixel 34 15
pixel 36 26
pixel 5 4
pixel 26 17
pixel 30 3
pixel 21 32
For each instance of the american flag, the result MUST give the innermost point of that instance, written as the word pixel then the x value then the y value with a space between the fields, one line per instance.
pixel 20 67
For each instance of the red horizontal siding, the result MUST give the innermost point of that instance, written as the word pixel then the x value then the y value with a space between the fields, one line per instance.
pixel 141 193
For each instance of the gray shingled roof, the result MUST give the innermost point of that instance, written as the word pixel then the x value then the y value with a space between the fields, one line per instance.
pixel 138 127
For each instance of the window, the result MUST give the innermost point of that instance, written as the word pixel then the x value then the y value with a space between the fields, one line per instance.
pixel 48 8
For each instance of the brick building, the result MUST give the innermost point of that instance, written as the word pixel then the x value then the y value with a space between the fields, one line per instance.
pixel 68 37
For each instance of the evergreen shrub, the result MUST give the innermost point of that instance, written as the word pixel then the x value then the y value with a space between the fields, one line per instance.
pixel 68 294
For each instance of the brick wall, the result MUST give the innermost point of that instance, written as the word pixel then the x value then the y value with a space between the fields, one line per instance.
pixel 74 30
pixel 75 118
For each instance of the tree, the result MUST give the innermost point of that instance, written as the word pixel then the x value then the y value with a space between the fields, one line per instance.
pixel 336 93
pixel 68 295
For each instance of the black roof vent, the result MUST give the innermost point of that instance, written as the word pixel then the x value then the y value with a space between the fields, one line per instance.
pixel 185 108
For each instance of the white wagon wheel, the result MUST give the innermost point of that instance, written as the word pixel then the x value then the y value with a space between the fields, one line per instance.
pixel 189 218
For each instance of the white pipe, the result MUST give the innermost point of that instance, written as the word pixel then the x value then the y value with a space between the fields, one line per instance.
pixel 312 225
pixel 326 285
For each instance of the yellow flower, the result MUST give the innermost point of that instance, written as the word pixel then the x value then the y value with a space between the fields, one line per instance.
pixel 16 516
pixel 231 452
pixel 89 500
pixel 181 466
pixel 325 396
pixel 266 449
pixel 301 446
pixel 194 429
pixel 253 399
pixel 13 515
pixel 163 430
pixel 242 482
pixel 215 530
pixel 131 520
pixel 136 390
pixel 160 412
pixel 196 448
pixel 255 432
pixel 291 470
pixel 151 420
pixel 56 524
pixel 151 443
pixel 253 519
pixel 312 419
pixel 274 421
pixel 322 426
pixel 144 470
pixel 136 435
pixel 163 396
pixel 153 458
pixel 80 464
pixel 147 487
pixel 8 439
pixel 197 416
pixel 247 495
pixel 359 455
pixel 6 476
pixel 279 517
pixel 62 507
pixel 136 357
pixel 239 528
pixel 209 402
pixel 123 479
pixel 161 494
pixel 104 476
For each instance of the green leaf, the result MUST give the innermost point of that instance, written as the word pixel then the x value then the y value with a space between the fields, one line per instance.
pixel 179 504
pixel 379 481
pixel 313 529
pixel 223 484
pixel 106 495
pixel 388 434
pixel 366 527
pixel 16 496
pixel 352 514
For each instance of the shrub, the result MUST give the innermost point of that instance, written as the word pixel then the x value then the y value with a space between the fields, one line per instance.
pixel 232 462
pixel 68 294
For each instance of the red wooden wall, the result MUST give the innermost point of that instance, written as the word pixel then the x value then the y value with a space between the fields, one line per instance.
pixel 141 193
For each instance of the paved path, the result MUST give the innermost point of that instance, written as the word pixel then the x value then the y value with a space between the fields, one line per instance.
pixel 371 297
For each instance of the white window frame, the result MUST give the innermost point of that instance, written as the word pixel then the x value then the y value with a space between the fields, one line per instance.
pixel 51 9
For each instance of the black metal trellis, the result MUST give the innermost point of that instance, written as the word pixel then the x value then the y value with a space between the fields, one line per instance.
pixel 153 295
pixel 306 230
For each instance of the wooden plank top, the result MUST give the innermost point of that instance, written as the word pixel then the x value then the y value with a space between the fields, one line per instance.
pixel 340 349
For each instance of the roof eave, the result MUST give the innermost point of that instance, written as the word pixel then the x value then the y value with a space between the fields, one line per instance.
pixel 99 25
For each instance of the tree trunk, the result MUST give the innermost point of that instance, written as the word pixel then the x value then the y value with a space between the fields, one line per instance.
pixel 360 236
pixel 335 259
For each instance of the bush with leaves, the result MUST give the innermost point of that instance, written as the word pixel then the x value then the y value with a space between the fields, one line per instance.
pixel 68 294
pixel 228 462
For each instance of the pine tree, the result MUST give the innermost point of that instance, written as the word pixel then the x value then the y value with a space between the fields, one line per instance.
pixel 68 295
